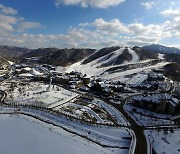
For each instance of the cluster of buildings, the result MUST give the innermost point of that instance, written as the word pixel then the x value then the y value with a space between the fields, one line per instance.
pixel 107 88
pixel 154 81
pixel 47 73
pixel 159 94
pixel 162 103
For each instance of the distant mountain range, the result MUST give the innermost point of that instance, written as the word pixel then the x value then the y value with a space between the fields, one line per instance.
pixel 161 49
pixel 39 52
pixel 15 52
pixel 117 54
pixel 11 52
pixel 64 57
pixel 52 56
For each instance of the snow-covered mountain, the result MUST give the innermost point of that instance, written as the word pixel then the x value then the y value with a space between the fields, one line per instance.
pixel 161 49
pixel 119 55
pixel 118 63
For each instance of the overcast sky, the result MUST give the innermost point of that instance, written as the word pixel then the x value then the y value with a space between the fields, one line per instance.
pixel 89 23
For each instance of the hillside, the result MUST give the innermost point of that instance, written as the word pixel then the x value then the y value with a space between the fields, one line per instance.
pixel 52 56
pixel 173 57
pixel 172 71
pixel 100 53
pixel 4 64
pixel 12 52
pixel 64 57
pixel 40 52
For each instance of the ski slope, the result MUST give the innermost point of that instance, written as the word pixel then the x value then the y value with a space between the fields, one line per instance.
pixel 94 68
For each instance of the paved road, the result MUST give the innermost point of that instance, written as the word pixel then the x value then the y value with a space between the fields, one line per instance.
pixel 2 95
pixel 141 144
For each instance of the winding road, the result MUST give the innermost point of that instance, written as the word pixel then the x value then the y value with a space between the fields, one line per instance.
pixel 141 145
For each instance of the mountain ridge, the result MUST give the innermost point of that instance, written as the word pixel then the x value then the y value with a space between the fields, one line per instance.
pixel 64 57
pixel 161 49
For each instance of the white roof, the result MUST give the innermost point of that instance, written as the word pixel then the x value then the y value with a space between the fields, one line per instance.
pixel 34 72
pixel 27 68
pixel 25 75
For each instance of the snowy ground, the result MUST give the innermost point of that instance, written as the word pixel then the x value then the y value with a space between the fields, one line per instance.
pixel 36 93
pixel 161 56
pixel 25 135
pixel 134 76
pixel 147 120
pixel 116 138
pixel 96 111
pixel 62 100
pixel 113 112
pixel 163 141
pixel 117 76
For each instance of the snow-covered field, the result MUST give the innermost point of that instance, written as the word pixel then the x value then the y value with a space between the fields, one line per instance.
pixel 62 100
pixel 137 79
pixel 25 135
pixel 163 141
pixel 36 93
pixel 115 138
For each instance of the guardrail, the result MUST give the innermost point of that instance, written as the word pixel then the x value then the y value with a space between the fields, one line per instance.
pixel 133 143
pixel 149 145
pixel 59 113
